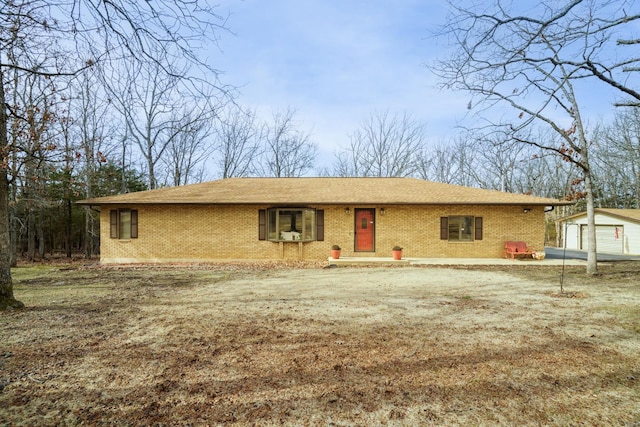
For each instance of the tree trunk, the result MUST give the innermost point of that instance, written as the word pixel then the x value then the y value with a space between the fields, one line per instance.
pixel 6 284
pixel 40 235
pixel 88 233
pixel 67 229
pixel 89 221
pixel 152 173
pixel 13 236
pixel 592 254
pixel 31 235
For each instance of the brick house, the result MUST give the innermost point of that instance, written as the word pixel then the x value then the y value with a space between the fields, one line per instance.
pixel 301 218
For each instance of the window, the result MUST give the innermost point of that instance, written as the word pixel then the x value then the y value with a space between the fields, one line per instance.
pixel 124 224
pixel 461 228
pixel 291 224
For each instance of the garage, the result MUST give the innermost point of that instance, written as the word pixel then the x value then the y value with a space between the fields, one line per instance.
pixel 617 231
pixel 609 238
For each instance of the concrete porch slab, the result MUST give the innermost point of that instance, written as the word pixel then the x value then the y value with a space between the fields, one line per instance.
pixel 450 261
pixel 368 260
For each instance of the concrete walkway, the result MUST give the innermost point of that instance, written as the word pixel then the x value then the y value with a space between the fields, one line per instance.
pixel 554 256
pixel 450 261
pixel 559 253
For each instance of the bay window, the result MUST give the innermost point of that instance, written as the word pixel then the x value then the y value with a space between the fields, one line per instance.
pixel 291 224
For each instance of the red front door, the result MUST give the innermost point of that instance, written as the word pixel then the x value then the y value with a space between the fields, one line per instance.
pixel 365 230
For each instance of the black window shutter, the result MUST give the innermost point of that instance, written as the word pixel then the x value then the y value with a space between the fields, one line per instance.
pixel 444 228
pixel 320 224
pixel 262 224
pixel 478 228
pixel 113 220
pixel 134 223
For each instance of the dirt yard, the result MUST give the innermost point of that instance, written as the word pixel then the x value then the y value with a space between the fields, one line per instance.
pixel 307 345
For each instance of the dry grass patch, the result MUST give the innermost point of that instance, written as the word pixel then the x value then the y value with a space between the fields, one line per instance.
pixel 299 344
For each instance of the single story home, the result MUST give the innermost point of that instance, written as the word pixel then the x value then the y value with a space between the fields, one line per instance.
pixel 302 218
pixel 617 231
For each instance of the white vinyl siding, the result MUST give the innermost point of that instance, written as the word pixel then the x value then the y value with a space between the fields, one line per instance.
pixel 628 241
pixel 607 240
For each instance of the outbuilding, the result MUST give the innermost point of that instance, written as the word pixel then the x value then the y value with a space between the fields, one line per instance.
pixel 302 218
pixel 617 231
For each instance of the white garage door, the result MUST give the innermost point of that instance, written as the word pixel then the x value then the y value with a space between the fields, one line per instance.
pixel 609 238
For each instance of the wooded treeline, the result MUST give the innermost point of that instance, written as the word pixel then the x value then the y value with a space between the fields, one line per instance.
pixel 123 126
pixel 80 147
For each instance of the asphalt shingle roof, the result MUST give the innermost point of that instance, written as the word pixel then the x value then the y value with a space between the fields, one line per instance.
pixel 632 214
pixel 307 191
pixel 627 214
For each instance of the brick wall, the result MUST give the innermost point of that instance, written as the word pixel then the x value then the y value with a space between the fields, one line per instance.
pixel 208 233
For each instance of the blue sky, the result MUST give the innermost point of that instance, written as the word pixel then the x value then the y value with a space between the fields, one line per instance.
pixel 336 62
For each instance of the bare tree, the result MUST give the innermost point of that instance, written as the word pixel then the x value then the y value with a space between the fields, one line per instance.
pixel 163 32
pixel 189 149
pixel 288 151
pixel 493 163
pixel 238 143
pixel 89 107
pixel 526 64
pixel 157 115
pixel 436 164
pixel 547 175
pixel 617 164
pixel 385 145
pixel 614 25
pixel 499 159
pixel 346 163
pixel 450 161
pixel 37 138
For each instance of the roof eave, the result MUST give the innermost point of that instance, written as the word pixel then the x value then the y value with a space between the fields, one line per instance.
pixel 336 202
pixel 601 212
